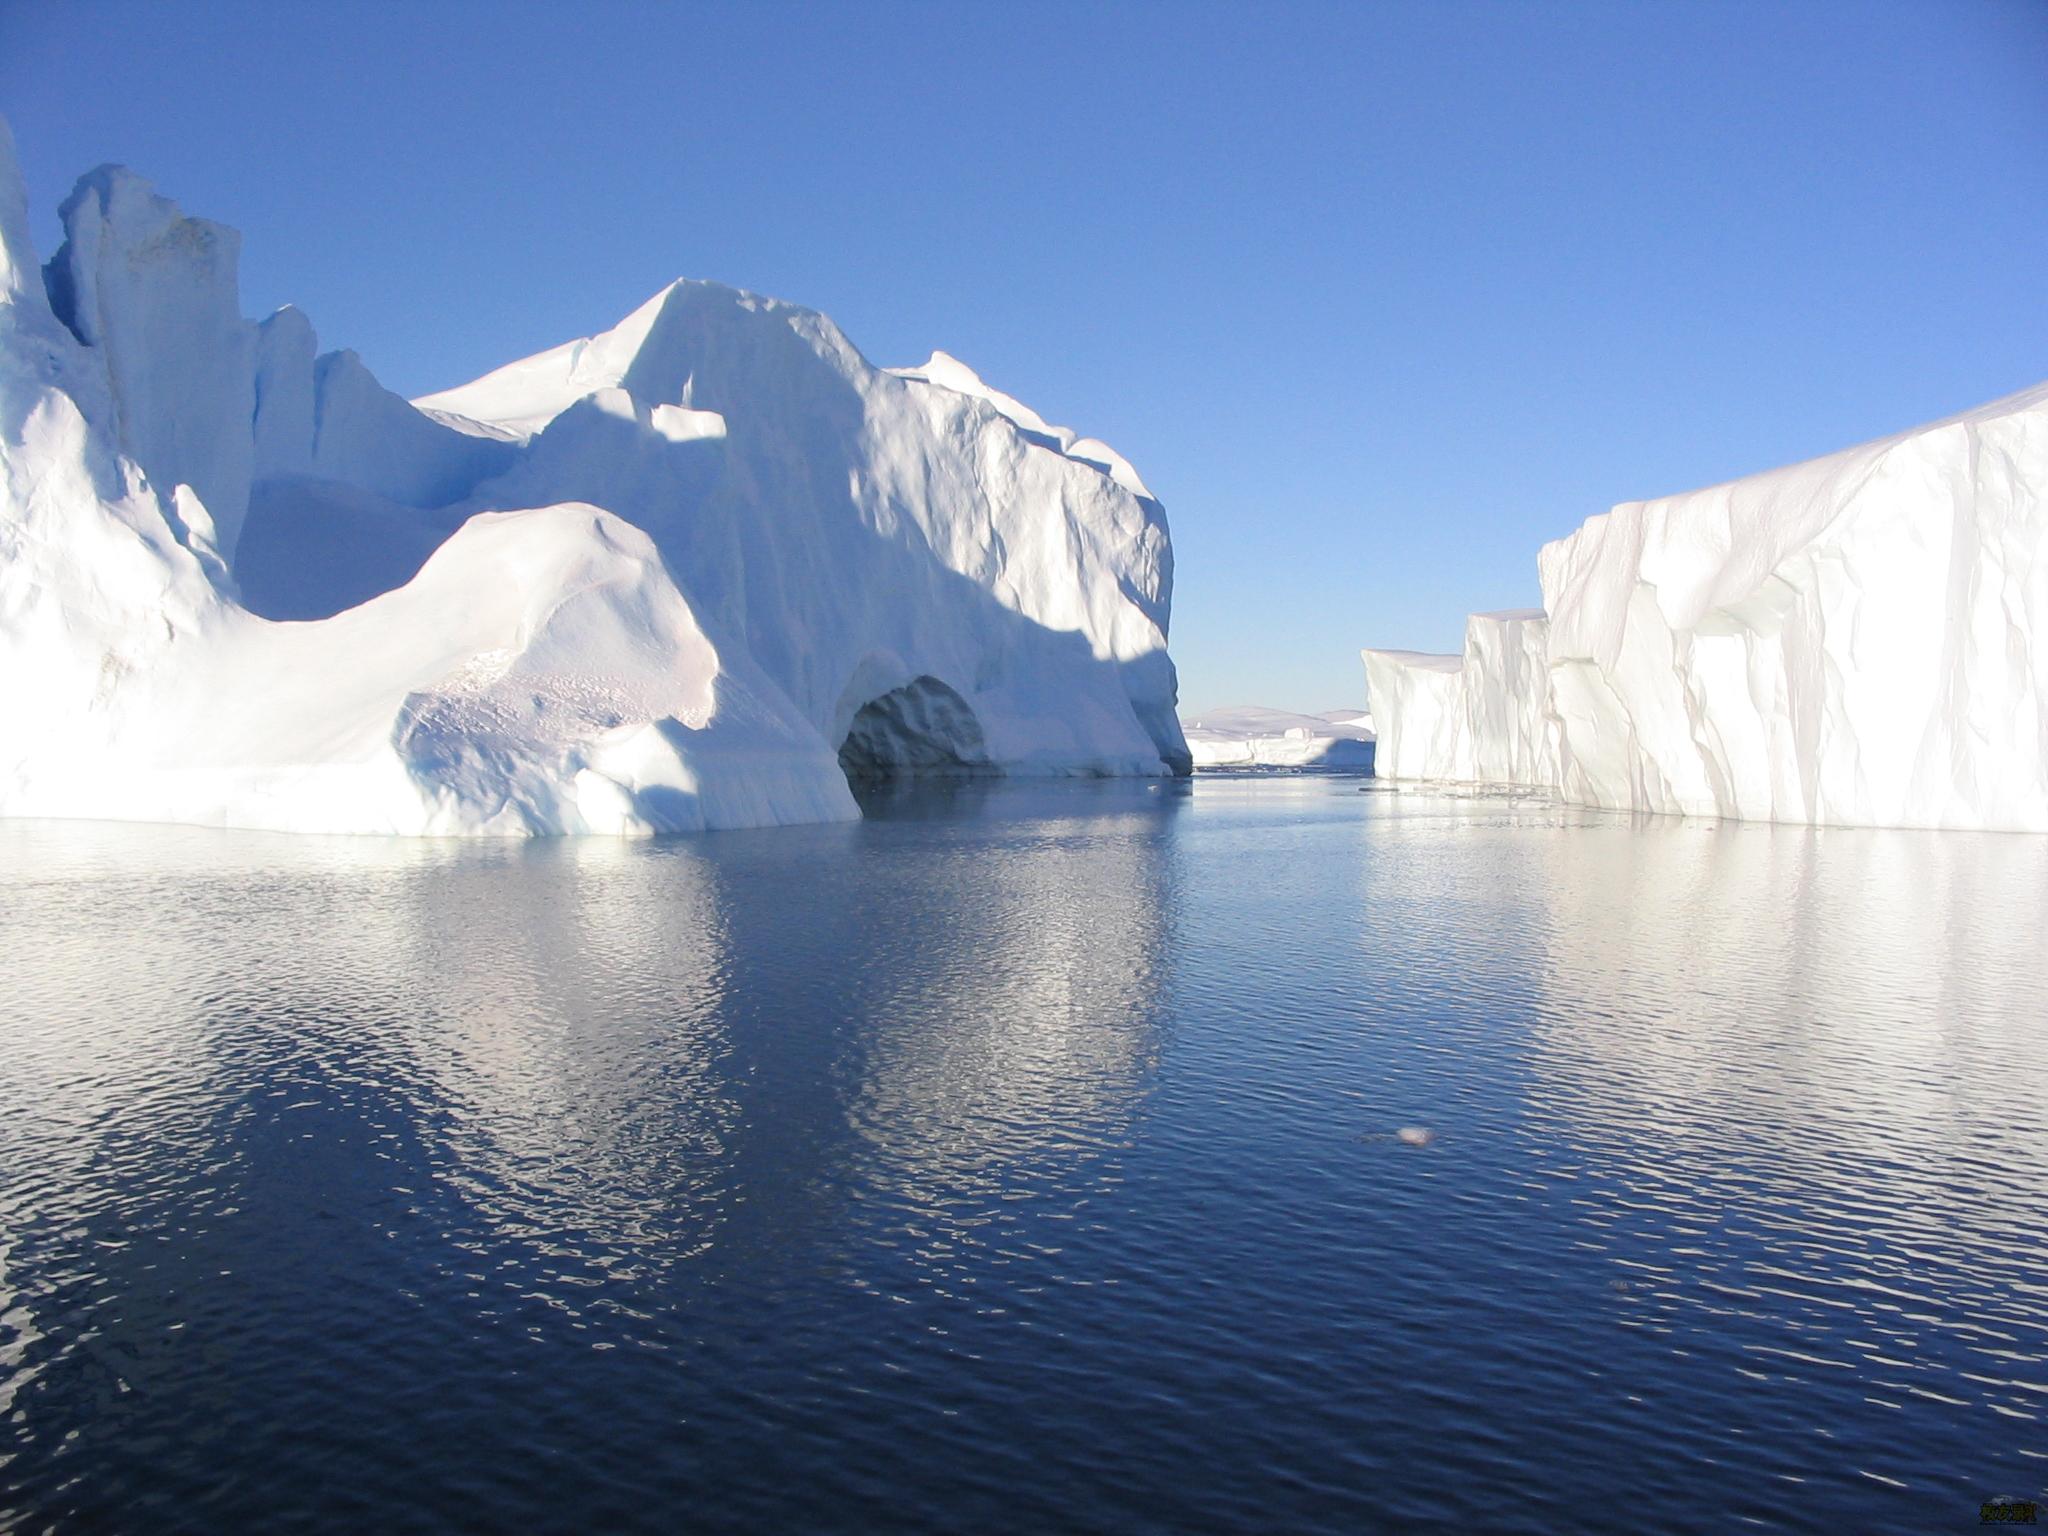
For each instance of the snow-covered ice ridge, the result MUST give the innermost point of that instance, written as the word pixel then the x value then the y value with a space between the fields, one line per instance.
pixel 691 572
pixel 1252 736
pixel 1861 640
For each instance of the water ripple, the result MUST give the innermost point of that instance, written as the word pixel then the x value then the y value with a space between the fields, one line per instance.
pixel 1029 1159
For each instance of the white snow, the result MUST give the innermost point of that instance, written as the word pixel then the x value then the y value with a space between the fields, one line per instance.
pixel 651 580
pixel 1859 640
pixel 1252 736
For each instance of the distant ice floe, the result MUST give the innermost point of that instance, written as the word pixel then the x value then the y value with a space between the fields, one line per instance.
pixel 1249 736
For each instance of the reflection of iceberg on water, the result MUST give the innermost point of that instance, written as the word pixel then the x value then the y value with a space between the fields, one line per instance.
pixel 584 1047
pixel 1767 1071
pixel 1030 1036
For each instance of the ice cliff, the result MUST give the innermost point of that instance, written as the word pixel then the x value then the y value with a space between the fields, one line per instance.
pixel 1861 641
pixel 692 572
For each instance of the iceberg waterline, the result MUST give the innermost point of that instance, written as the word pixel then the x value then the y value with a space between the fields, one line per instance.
pixel 655 579
pixel 1861 640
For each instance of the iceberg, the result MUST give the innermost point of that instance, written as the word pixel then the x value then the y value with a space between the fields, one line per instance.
pixel 1472 718
pixel 1861 640
pixel 700 570
pixel 1252 736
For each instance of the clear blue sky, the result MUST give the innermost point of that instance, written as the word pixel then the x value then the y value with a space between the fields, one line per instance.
pixel 1377 297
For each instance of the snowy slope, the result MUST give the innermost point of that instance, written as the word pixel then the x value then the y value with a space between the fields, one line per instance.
pixel 242 584
pixel 1858 640
pixel 1252 736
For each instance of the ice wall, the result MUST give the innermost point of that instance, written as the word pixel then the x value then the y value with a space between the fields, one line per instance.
pixel 1858 640
pixel 1479 716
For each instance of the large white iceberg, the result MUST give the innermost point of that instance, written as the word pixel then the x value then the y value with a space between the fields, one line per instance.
pixel 1861 641
pixel 692 572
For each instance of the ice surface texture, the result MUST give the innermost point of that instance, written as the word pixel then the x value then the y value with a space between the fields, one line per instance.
pixel 1857 641
pixel 650 580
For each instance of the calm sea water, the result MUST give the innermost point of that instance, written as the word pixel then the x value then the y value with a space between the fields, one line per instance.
pixel 1023 1160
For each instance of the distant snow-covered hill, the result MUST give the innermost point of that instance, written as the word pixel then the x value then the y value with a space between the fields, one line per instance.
pixel 1251 736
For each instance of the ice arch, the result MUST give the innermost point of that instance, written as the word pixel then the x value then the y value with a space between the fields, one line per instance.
pixel 923 727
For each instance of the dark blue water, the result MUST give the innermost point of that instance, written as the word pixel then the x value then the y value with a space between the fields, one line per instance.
pixel 1024 1161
